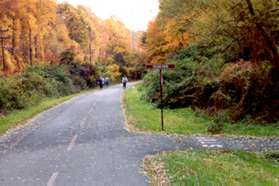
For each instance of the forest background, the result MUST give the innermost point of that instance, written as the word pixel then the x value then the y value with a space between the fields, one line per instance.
pixel 50 49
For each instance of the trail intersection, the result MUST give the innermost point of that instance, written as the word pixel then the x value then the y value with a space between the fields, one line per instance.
pixel 84 142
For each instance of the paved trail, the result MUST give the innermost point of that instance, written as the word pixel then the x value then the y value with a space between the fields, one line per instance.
pixel 83 142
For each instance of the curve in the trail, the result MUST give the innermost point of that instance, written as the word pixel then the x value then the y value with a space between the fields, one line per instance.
pixel 83 142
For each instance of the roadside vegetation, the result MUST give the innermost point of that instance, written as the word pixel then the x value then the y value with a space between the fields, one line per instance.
pixel 145 116
pixel 40 87
pixel 226 57
pixel 18 117
pixel 43 81
pixel 220 168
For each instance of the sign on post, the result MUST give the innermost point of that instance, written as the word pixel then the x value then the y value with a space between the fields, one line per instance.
pixel 161 67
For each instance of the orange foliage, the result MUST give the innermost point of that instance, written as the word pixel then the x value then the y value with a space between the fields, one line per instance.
pixel 41 30
pixel 165 40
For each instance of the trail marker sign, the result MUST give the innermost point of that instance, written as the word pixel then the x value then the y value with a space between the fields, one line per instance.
pixel 161 67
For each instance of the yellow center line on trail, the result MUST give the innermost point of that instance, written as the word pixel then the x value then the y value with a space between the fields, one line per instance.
pixel 82 123
pixel 52 179
pixel 72 142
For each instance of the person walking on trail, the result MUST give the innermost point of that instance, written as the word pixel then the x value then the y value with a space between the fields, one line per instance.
pixel 107 81
pixel 124 81
pixel 101 82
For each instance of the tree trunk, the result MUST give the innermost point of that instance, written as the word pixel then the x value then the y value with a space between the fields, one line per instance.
pixel 3 55
pixel 39 38
pixel 14 37
pixel 30 47
pixel 90 52
pixel 37 56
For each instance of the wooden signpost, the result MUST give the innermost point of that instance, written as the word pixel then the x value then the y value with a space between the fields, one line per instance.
pixel 161 67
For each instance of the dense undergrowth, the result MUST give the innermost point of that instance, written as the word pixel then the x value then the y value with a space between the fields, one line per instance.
pixel 235 91
pixel 226 56
pixel 42 81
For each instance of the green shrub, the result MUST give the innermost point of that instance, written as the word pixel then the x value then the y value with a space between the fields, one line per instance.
pixel 180 84
pixel 12 94
pixel 37 82
pixel 56 79
pixel 216 128
pixel 188 84
pixel 79 83
pixel 219 119
pixel 204 80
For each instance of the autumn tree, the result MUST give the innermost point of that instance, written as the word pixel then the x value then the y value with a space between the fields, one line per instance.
pixel 226 54
pixel 42 30
pixel 31 24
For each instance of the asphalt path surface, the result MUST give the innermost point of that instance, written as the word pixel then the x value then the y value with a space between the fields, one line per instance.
pixel 84 142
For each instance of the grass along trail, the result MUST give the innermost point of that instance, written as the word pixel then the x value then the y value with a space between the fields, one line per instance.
pixel 218 160
pixel 143 116
pixel 215 168
pixel 16 118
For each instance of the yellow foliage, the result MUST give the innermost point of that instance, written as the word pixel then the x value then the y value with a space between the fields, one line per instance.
pixel 164 40
pixel 113 72
pixel 10 63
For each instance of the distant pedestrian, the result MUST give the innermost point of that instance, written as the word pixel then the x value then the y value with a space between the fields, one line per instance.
pixel 124 81
pixel 101 81
pixel 107 81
